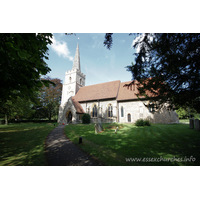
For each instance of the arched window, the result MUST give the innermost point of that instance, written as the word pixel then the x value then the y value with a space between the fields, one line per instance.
pixel 122 111
pixel 80 81
pixel 70 79
pixel 110 111
pixel 94 111
pixel 129 117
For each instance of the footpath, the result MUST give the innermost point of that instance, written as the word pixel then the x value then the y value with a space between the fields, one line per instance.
pixel 60 151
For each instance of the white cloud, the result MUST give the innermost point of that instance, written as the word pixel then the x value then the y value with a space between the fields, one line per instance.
pixel 60 47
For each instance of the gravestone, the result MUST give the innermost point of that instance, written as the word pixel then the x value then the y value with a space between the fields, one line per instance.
pixel 98 128
pixel 197 125
pixel 191 123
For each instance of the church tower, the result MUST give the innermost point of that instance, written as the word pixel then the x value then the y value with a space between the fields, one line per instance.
pixel 74 79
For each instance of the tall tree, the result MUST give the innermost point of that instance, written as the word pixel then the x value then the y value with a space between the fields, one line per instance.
pixel 50 96
pixel 167 67
pixel 21 66
pixel 22 63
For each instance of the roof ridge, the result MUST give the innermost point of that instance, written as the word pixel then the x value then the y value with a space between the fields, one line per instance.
pixel 101 83
pixel 127 81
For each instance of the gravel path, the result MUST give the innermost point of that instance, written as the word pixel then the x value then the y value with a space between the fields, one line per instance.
pixel 60 151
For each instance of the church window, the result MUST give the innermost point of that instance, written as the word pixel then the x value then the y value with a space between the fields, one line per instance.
pixel 94 111
pixel 122 111
pixel 129 117
pixel 70 79
pixel 110 111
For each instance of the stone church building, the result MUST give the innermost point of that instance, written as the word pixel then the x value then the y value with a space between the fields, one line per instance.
pixel 110 101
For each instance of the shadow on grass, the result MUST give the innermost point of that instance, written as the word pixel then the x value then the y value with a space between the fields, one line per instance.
pixel 157 141
pixel 23 144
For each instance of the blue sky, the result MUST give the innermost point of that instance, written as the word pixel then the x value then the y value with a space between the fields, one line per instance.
pixel 97 62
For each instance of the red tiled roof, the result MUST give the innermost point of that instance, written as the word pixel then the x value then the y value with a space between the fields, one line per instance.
pixel 114 89
pixel 127 93
pixel 106 90
pixel 78 106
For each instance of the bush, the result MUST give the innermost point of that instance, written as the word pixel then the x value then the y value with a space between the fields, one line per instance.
pixel 141 122
pixel 86 118
pixel 147 123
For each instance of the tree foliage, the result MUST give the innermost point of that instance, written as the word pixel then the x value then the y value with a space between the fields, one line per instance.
pixel 108 40
pixel 50 97
pixel 21 66
pixel 167 67
pixel 22 63
pixel 17 108
pixel 171 63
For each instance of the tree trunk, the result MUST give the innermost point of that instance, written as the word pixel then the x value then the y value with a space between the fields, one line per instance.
pixel 50 116
pixel 6 119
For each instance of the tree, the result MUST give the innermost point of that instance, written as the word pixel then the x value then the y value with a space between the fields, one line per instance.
pixel 17 108
pixel 167 68
pixel 22 63
pixel 50 97
pixel 182 113
pixel 21 66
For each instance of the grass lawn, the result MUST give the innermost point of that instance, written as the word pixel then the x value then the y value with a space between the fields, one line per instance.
pixel 184 120
pixel 23 144
pixel 152 144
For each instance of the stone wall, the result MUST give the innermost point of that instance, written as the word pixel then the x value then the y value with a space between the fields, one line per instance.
pixel 69 106
pixel 102 108
pixel 164 116
pixel 103 120
pixel 138 110
pixel 135 109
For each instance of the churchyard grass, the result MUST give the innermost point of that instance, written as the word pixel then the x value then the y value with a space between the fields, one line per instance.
pixel 151 144
pixel 23 144
pixel 184 121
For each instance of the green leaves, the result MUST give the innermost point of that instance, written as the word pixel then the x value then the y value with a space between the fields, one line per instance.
pixel 168 62
pixel 23 54
pixel 22 63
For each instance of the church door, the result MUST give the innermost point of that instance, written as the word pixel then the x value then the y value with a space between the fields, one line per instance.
pixel 129 117
pixel 69 117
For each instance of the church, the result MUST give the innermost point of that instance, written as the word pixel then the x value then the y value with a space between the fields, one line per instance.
pixel 108 102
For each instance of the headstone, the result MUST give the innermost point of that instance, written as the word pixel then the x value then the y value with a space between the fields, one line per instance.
pixel 98 128
pixel 191 123
pixel 197 125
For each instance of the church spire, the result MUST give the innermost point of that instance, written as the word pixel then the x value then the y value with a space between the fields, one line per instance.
pixel 76 64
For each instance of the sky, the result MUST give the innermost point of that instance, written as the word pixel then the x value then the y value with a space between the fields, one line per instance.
pixel 98 63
